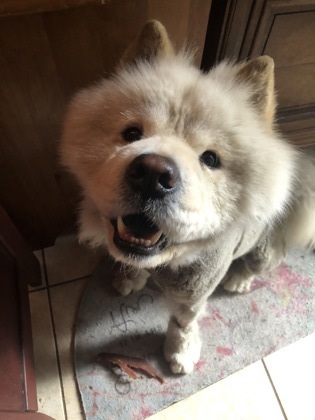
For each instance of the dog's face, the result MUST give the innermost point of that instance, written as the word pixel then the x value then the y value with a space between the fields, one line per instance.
pixel 170 158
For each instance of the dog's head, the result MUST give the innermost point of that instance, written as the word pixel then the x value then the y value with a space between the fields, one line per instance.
pixel 170 158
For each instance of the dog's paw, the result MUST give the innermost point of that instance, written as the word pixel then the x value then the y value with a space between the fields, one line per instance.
pixel 128 284
pixel 182 348
pixel 236 284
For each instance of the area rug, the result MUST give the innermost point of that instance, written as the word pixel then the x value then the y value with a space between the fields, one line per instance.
pixel 236 331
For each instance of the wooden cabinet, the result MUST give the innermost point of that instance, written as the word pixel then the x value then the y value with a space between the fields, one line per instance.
pixel 18 266
pixel 285 30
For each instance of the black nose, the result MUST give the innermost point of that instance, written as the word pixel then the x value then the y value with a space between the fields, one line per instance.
pixel 152 175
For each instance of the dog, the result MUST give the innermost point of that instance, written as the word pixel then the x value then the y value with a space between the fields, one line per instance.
pixel 185 178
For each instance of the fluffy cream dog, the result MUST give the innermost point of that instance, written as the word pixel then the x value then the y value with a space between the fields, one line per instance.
pixel 183 174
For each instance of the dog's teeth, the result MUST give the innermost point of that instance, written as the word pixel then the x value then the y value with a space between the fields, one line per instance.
pixel 126 236
pixel 154 238
pixel 121 227
pixel 145 242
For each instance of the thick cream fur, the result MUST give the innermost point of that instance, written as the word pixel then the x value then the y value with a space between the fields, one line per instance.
pixel 184 111
pixel 227 224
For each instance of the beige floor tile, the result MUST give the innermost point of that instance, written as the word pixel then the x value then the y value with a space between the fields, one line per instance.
pixel 292 371
pixel 245 395
pixel 47 377
pixel 68 260
pixel 64 316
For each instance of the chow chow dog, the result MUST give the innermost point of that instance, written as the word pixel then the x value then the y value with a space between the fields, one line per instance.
pixel 184 176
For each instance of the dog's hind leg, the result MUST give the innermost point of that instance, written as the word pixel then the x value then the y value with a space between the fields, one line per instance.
pixel 264 257
pixel 130 279
pixel 239 277
pixel 182 345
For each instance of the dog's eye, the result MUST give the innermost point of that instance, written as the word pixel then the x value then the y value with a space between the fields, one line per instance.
pixel 131 134
pixel 210 159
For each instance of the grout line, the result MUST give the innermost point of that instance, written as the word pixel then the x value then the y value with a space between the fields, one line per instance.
pixel 38 289
pixel 55 340
pixel 48 285
pixel 274 389
pixel 51 286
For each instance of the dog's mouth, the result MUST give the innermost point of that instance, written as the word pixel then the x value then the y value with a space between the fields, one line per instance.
pixel 137 234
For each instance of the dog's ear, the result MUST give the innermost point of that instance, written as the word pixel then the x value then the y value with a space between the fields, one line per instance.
pixel 153 42
pixel 259 75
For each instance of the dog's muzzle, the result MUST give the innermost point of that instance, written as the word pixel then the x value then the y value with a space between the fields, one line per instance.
pixel 151 180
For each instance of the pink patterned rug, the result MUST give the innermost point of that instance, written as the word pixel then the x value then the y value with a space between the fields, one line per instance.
pixel 236 330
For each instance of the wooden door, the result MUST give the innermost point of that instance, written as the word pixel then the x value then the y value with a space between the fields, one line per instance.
pixel 285 30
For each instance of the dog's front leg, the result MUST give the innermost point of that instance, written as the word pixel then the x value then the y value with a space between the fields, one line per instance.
pixel 182 345
pixel 130 279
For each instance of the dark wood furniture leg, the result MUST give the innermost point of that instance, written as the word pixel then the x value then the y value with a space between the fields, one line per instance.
pixel 18 266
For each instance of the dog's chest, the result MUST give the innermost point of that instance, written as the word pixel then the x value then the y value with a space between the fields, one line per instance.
pixel 201 277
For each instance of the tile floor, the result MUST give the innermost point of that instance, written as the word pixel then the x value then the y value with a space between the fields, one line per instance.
pixel 281 386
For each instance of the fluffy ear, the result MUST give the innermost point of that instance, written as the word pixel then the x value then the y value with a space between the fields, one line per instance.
pixel 153 42
pixel 259 75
